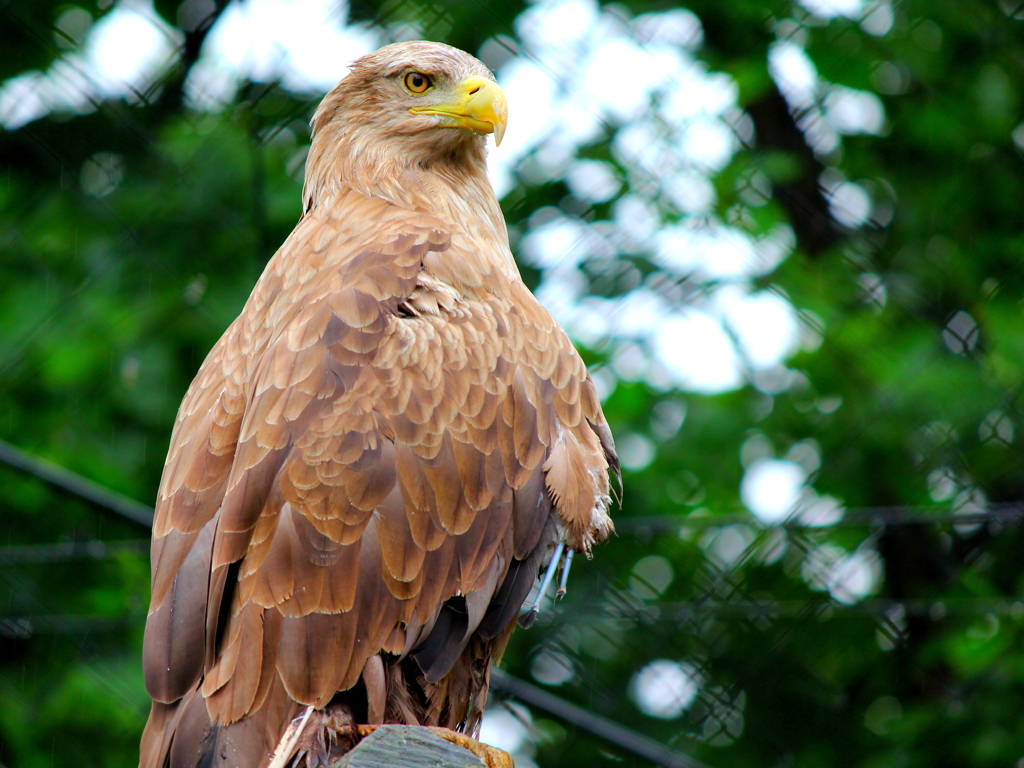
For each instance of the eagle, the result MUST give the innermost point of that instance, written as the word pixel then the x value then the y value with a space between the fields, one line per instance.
pixel 383 453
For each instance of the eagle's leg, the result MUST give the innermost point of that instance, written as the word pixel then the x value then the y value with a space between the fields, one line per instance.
pixel 566 565
pixel 492 757
pixel 526 620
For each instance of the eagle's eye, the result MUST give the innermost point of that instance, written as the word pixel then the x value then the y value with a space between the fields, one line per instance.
pixel 417 82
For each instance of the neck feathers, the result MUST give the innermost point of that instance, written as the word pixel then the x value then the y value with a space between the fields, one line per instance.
pixel 409 170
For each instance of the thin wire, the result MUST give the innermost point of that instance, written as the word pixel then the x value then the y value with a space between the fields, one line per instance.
pixel 103 498
pixel 109 501
pixel 140 514
pixel 591 722
pixel 573 714
pixel 23 627
pixel 687 611
pixel 68 551
pixel 502 682
pixel 856 517
pixel 680 611
pixel 100 667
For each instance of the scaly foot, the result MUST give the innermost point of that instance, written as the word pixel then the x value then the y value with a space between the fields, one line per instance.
pixel 492 757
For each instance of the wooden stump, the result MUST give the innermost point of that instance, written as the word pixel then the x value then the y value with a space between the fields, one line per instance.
pixel 409 746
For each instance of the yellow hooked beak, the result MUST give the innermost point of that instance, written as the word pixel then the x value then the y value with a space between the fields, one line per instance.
pixel 479 105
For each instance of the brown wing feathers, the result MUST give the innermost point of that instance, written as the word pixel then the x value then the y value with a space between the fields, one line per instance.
pixel 382 466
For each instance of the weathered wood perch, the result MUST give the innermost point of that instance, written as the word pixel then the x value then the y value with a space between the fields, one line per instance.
pixel 411 746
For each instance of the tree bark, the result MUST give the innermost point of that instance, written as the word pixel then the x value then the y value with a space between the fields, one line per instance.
pixel 408 746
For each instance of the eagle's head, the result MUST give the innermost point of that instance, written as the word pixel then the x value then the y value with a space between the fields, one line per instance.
pixel 408 105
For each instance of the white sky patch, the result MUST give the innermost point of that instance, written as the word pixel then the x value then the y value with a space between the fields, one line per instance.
pixel 855 577
pixel 23 99
pixel 583 70
pixel 878 18
pixel 677 28
pixel 708 144
pixel 563 294
pixel 826 110
pixel 637 218
pixel 642 143
pixel 621 76
pixel 852 111
pixel 828 9
pixel 821 511
pixel 70 84
pixel 129 47
pixel 847 577
pixel 651 576
pixel 764 323
pixel 771 489
pixel 593 180
pixel 637 313
pixel 123 53
pixel 560 242
pixel 697 353
pixel 727 546
pixel 524 82
pixel 691 193
pixel 508 727
pixel 552 667
pixel 850 204
pixel 304 43
pixel 665 688
pixel 635 451
pixel 774 247
pixel 501 729
pixel 706 249
pixel 557 24
pixel 794 73
pixel 696 92
pixel 691 345
pixel 820 135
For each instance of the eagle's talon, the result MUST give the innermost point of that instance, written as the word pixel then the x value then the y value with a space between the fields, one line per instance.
pixel 492 757
pixel 365 730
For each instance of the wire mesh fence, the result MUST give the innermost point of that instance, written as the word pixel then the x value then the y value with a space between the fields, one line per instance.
pixel 783 235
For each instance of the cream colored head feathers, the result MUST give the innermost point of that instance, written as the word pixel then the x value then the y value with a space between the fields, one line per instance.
pixel 406 107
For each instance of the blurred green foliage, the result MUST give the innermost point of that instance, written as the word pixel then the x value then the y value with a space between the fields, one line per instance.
pixel 130 238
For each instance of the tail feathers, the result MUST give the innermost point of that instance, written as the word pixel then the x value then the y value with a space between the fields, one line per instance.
pixel 521 576
pixel 181 735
